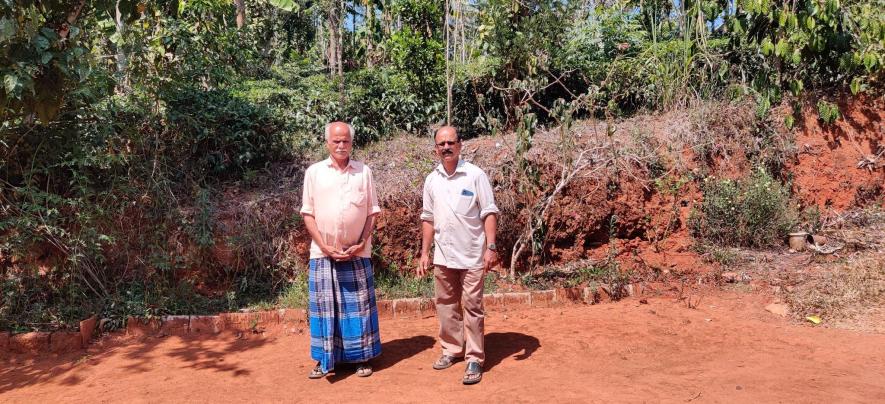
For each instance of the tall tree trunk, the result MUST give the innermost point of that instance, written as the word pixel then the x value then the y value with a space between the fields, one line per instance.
pixel 340 40
pixel 241 13
pixel 448 67
pixel 336 68
pixel 386 20
pixel 321 42
pixel 459 29
pixel 333 41
pixel 370 32
pixel 341 63
pixel 120 57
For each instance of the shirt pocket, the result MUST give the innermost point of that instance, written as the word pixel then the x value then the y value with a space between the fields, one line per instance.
pixel 464 201
pixel 357 194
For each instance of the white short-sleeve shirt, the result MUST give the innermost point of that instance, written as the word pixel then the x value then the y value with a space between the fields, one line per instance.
pixel 457 204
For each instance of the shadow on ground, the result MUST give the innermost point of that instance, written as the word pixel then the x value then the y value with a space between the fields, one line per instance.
pixel 18 371
pixel 500 346
pixel 392 352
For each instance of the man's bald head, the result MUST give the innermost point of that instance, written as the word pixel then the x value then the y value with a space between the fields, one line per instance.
pixel 447 131
pixel 339 128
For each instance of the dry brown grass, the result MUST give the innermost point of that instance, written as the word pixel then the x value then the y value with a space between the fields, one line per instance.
pixel 399 167
pixel 841 291
pixel 847 288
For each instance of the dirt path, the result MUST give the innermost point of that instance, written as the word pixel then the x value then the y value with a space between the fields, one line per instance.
pixel 728 349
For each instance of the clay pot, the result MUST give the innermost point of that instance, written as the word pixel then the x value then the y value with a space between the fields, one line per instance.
pixel 797 240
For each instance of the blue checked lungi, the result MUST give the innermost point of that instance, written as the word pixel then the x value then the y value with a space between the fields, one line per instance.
pixel 343 313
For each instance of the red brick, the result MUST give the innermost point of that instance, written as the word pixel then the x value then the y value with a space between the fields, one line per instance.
pixel 604 293
pixel 569 295
pixel 591 295
pixel 268 318
pixel 139 327
pixel 175 325
pixel 428 307
pixel 256 321
pixel 385 308
pixel 32 342
pixel 87 328
pixel 65 341
pixel 293 316
pixel 543 298
pixel 407 307
pixel 205 325
pixel 493 300
pixel 517 299
pixel 238 321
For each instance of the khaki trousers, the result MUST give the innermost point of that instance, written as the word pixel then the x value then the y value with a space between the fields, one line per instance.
pixel 460 312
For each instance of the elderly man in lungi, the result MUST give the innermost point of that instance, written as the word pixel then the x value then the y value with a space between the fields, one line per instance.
pixel 339 207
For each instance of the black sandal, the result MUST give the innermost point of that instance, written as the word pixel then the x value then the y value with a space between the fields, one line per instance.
pixel 444 362
pixel 473 374
pixel 316 373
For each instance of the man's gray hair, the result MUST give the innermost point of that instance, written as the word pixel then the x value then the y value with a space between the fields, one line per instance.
pixel 350 131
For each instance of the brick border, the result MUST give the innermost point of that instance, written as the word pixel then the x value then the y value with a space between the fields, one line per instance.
pixel 290 321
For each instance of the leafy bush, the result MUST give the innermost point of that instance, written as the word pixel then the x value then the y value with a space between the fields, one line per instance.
pixel 218 133
pixel 394 284
pixel 827 111
pixel 807 44
pixel 753 212
pixel 295 295
pixel 378 103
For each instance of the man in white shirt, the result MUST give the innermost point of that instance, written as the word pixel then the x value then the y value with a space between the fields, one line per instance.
pixel 460 217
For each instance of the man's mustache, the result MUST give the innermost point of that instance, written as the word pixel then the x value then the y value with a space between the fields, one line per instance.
pixel 447 151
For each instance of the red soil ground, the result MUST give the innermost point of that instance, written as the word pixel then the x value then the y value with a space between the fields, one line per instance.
pixel 727 349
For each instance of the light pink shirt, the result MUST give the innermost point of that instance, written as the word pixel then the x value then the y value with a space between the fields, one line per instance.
pixel 340 201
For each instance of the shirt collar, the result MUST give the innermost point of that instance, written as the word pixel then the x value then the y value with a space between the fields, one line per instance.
pixel 458 169
pixel 331 163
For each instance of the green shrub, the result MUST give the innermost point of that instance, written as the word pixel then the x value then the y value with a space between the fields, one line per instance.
pixel 392 284
pixel 220 134
pixel 827 111
pixel 753 212
pixel 377 102
pixel 295 295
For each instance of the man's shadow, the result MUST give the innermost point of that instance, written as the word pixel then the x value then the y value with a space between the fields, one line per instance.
pixel 500 346
pixel 392 352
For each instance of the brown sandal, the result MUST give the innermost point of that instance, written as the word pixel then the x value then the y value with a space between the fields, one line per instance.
pixel 473 374
pixel 444 362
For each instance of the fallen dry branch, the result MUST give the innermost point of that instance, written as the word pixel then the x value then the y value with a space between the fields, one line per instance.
pixel 586 159
pixel 871 162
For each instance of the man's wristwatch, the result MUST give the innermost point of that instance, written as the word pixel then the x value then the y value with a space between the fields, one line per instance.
pixel 492 247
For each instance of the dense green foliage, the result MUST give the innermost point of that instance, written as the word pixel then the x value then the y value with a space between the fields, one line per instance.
pixel 138 110
pixel 753 212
